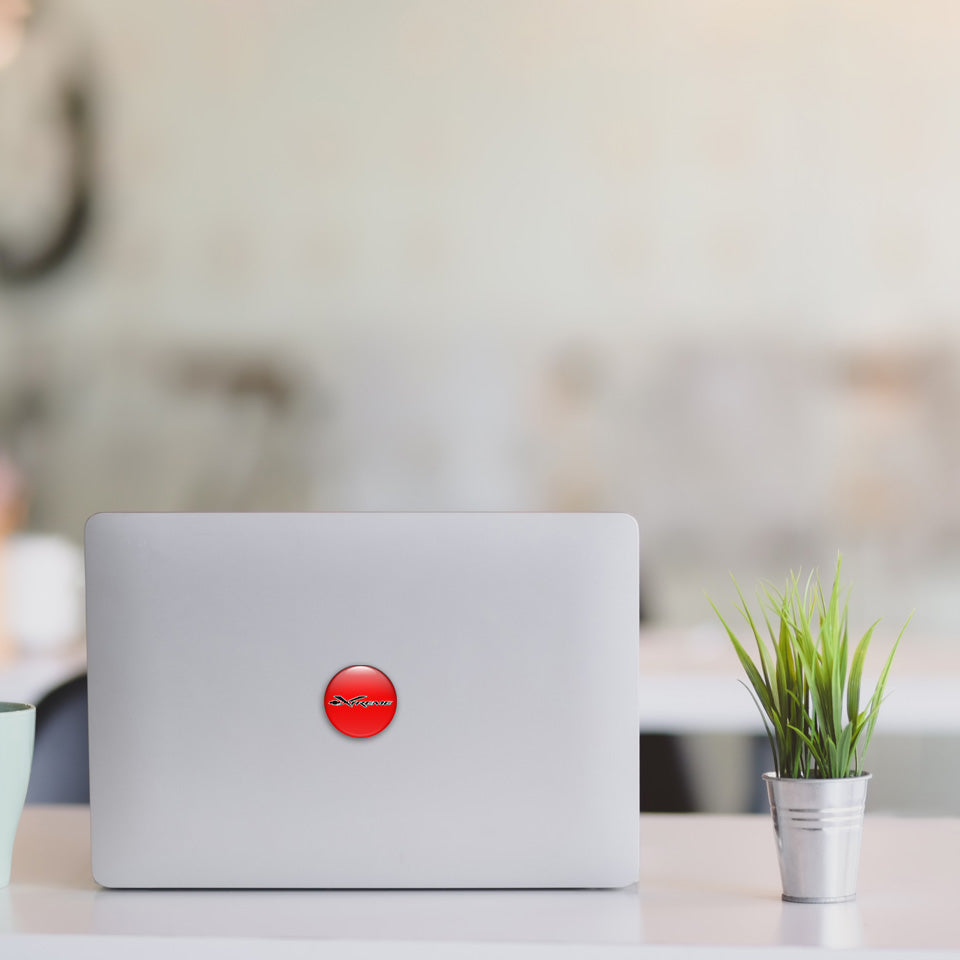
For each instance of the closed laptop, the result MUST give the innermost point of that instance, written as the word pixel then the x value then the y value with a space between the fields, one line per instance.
pixel 363 700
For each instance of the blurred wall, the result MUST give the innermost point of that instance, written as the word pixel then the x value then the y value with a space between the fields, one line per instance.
pixel 691 259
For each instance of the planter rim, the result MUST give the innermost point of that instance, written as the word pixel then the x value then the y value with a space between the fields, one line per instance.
pixel 771 775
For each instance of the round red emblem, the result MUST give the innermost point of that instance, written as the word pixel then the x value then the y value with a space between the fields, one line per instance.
pixel 360 701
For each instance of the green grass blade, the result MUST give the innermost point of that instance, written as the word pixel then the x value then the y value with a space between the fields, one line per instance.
pixel 877 698
pixel 772 739
pixel 814 748
pixel 766 663
pixel 856 672
pixel 753 674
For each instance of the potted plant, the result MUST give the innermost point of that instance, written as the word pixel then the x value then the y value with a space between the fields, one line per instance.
pixel 807 686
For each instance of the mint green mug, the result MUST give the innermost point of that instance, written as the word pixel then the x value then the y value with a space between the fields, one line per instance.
pixel 17 724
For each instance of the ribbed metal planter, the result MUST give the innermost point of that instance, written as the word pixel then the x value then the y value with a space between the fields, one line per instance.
pixel 818 825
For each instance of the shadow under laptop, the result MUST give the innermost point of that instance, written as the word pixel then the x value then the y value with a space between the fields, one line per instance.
pixel 584 916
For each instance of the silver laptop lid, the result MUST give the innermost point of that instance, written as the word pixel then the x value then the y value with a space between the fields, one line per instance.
pixel 493 745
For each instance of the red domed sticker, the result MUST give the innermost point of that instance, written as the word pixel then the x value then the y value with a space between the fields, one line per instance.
pixel 360 701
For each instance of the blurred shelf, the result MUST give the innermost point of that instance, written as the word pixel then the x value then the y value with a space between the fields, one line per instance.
pixel 27 679
pixel 689 684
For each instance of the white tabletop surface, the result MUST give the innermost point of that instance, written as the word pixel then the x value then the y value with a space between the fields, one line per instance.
pixel 708 886
pixel 689 683
pixel 27 679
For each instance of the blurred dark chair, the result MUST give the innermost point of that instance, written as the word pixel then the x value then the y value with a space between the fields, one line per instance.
pixel 664 782
pixel 664 785
pixel 61 758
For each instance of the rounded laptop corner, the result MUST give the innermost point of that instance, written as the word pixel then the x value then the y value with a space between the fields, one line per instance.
pixel 630 521
pixel 103 877
pixel 93 523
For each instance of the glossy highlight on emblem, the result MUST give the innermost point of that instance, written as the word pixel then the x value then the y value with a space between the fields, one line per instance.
pixel 360 701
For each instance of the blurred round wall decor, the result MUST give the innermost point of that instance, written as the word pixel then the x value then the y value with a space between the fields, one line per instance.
pixel 46 138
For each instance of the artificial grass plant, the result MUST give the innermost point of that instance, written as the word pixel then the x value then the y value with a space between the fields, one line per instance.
pixel 806 683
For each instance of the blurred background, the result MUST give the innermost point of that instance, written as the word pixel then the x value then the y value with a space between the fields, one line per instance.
pixel 694 260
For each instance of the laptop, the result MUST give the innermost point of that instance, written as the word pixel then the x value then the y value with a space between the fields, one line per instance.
pixel 363 700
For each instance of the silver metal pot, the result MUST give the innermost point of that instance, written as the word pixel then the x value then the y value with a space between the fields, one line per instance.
pixel 818 825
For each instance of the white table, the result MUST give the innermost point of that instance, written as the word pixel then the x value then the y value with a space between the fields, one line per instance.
pixel 709 886
pixel 688 684
pixel 27 679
